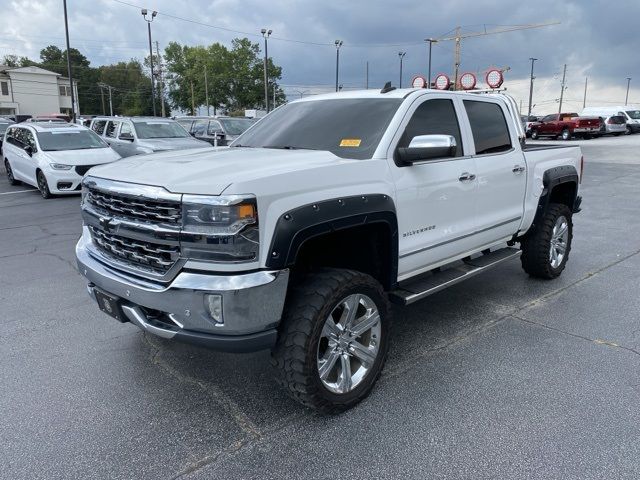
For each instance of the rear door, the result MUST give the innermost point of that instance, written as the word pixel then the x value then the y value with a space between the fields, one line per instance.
pixel 547 126
pixel 500 167
pixel 111 134
pixel 436 199
pixel 13 151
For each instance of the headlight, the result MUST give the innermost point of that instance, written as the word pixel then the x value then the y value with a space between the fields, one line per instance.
pixel 60 166
pixel 221 229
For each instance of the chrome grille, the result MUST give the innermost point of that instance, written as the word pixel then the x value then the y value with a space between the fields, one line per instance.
pixel 135 207
pixel 157 257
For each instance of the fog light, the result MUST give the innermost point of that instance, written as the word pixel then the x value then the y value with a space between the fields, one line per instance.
pixel 214 304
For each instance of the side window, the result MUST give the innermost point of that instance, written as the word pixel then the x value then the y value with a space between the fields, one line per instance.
pixel 4 86
pixel 126 130
pixel 29 139
pixel 549 118
pixel 186 124
pixel 112 129
pixel 12 136
pixel 215 127
pixel 199 127
pixel 433 117
pixel 489 127
pixel 98 126
pixel 18 137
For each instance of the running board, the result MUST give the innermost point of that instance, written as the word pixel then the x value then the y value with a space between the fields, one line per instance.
pixel 439 280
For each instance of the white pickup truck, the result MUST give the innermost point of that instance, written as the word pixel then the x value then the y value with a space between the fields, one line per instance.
pixel 297 236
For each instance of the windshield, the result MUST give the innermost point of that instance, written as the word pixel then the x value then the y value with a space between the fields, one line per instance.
pixel 235 126
pixel 348 128
pixel 635 114
pixel 154 129
pixel 69 140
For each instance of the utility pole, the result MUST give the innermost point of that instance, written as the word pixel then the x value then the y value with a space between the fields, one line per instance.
pixel 584 100
pixel 102 97
pixel 401 55
pixel 73 96
pixel 160 80
pixel 533 60
pixel 153 88
pixel 431 42
pixel 206 89
pixel 564 76
pixel 193 101
pixel 520 111
pixel 626 99
pixel 366 83
pixel 338 44
pixel 274 95
pixel 110 88
pixel 265 34
pixel 456 59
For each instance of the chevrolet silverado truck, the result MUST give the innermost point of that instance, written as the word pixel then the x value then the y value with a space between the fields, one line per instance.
pixel 565 126
pixel 298 235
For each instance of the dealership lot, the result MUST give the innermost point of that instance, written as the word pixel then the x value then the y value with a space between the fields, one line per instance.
pixel 502 376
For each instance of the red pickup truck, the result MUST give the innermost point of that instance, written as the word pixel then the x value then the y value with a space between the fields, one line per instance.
pixel 565 126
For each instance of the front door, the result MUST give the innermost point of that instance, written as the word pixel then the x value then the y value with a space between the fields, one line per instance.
pixel 501 170
pixel 435 198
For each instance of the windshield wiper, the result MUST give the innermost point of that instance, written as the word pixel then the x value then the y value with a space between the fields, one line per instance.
pixel 288 147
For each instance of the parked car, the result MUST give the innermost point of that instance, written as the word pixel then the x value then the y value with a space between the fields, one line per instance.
pixel 565 126
pixel 296 236
pixel 527 121
pixel 53 157
pixel 4 124
pixel 135 135
pixel 632 116
pixel 217 131
pixel 613 125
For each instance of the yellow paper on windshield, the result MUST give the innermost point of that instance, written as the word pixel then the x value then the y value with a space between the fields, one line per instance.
pixel 350 142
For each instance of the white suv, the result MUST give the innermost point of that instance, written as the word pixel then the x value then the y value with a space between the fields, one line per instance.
pixel 53 157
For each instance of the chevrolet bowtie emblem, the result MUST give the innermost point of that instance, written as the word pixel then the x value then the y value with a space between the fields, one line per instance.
pixel 107 224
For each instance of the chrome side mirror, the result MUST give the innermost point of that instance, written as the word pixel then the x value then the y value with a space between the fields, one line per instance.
pixel 428 147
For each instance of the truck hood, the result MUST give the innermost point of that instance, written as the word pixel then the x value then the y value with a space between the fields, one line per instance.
pixel 89 156
pixel 163 144
pixel 210 171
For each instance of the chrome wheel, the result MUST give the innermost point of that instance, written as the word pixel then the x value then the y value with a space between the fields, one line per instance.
pixel 559 239
pixel 349 343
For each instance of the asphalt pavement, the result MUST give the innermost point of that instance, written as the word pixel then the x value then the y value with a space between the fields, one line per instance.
pixel 502 376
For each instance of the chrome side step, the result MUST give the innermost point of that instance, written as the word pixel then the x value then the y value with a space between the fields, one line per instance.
pixel 439 280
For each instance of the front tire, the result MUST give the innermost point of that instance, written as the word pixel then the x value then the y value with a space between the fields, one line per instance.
pixel 43 186
pixel 9 171
pixel 545 251
pixel 534 135
pixel 333 339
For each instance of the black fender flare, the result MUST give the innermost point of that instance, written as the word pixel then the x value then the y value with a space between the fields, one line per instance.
pixel 298 225
pixel 551 179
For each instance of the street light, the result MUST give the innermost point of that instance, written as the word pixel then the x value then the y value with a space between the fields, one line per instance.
pixel 301 92
pixel 149 20
pixel 338 44
pixel 626 99
pixel 265 34
pixel 401 55
pixel 431 42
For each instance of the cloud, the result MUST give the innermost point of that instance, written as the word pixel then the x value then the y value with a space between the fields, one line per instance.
pixel 595 39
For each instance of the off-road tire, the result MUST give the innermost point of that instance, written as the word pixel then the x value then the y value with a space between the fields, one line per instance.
pixel 309 302
pixel 9 172
pixel 537 244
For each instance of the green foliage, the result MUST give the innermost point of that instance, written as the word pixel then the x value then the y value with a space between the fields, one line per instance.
pixel 235 77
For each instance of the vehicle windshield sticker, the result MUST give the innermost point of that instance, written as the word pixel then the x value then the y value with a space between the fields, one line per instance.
pixel 350 142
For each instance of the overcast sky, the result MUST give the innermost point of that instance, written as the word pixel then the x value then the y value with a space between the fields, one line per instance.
pixel 595 39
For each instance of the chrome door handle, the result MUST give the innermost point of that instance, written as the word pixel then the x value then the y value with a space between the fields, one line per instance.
pixel 518 169
pixel 467 177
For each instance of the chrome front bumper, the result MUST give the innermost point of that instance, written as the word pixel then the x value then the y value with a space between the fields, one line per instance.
pixel 252 303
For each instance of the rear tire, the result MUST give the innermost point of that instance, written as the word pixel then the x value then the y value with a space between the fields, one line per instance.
pixel 545 250
pixel 566 134
pixel 43 186
pixel 316 357
pixel 9 171
pixel 534 134
pixel 628 131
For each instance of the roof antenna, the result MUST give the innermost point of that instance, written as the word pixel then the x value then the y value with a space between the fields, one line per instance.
pixel 387 88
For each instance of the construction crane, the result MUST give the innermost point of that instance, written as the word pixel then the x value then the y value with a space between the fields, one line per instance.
pixel 459 36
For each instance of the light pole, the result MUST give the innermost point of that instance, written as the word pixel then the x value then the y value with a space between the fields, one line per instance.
pixel 531 85
pixel 66 31
pixel 431 42
pixel 149 20
pixel 626 99
pixel 338 44
pixel 301 92
pixel 265 34
pixel 401 55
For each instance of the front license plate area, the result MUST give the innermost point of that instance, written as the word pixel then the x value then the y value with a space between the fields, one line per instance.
pixel 110 305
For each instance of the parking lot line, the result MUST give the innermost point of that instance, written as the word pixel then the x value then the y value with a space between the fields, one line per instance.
pixel 18 191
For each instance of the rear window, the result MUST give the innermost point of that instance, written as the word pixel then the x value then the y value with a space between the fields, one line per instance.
pixel 634 114
pixel 98 126
pixel 489 127
pixel 617 120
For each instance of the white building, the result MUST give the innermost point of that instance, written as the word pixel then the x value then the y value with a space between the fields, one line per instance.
pixel 34 91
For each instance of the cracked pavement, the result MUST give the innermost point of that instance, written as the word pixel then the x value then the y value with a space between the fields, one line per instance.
pixel 502 376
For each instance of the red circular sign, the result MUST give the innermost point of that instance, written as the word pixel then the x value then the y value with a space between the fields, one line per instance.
pixel 419 82
pixel 468 81
pixel 494 78
pixel 442 82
